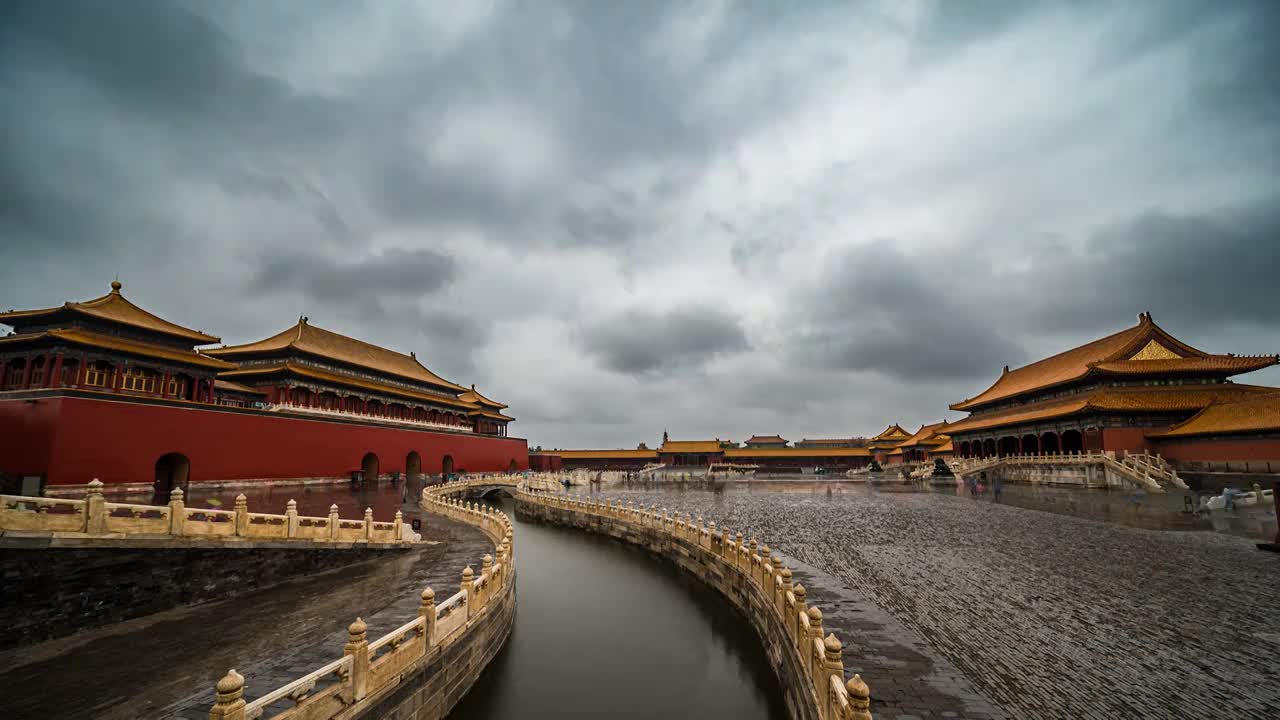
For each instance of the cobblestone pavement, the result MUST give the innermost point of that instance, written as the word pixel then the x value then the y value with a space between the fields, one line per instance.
pixel 165 666
pixel 1051 616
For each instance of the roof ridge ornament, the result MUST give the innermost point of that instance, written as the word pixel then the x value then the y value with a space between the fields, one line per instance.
pixel 115 286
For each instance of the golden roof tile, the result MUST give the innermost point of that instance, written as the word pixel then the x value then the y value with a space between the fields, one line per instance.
pixel 133 347
pixel 493 414
pixel 1142 349
pixel 308 338
pixel 348 380
pixel 1260 413
pixel 229 386
pixel 796 452
pixel 691 446
pixel 113 307
pixel 893 432
pixel 474 396
pixel 766 439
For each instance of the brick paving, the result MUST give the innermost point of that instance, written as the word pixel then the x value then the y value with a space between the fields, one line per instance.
pixel 165 666
pixel 1049 616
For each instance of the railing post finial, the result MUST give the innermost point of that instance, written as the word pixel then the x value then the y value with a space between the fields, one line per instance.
pixel 230 698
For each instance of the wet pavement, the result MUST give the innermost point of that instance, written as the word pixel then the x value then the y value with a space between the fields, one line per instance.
pixel 165 665
pixel 1049 615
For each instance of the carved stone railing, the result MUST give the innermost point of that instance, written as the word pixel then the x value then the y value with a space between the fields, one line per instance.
pixel 368 673
pixel 740 569
pixel 363 417
pixel 1141 470
pixel 95 518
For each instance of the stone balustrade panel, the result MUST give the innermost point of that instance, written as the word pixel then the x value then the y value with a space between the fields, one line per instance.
pixel 18 512
pixel 130 519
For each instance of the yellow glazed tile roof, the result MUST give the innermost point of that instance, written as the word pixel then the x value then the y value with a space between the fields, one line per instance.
pixel 335 378
pixel 796 452
pixel 315 340
pixel 1254 414
pixel 893 432
pixel 606 454
pixel 691 446
pixel 113 307
pixel 474 396
pixel 1142 349
pixel 110 342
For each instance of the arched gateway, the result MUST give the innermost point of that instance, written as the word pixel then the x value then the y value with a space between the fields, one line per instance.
pixel 446 466
pixel 412 466
pixel 369 468
pixel 172 471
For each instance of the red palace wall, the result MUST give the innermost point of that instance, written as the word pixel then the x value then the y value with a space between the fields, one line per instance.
pixel 1220 450
pixel 1127 439
pixel 72 440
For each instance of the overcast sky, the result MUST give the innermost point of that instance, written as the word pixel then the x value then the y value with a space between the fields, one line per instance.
pixel 713 218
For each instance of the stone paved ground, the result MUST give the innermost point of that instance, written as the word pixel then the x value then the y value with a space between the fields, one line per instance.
pixel 1051 616
pixel 165 666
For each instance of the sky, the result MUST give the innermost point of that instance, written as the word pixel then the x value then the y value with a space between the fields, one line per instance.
pixel 711 218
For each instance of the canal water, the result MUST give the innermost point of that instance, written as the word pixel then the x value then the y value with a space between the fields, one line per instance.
pixel 606 630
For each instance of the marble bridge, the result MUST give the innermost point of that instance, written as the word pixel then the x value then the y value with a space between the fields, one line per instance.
pixel 1093 469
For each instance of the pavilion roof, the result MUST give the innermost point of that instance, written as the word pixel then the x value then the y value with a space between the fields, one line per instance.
pixel 1144 349
pixel 893 432
pixel 946 447
pixel 926 435
pixel 1259 413
pixel 119 344
pixel 348 380
pixel 113 307
pixel 474 396
pixel 607 454
pixel 833 441
pixel 1170 398
pixel 796 452
pixel 691 446
pixel 308 338
pixel 492 414
pixel 766 439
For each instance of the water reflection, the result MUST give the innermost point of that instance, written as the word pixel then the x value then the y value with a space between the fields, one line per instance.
pixel 603 630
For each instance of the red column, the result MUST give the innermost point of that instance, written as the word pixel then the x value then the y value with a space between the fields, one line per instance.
pixel 117 374
pixel 55 371
pixel 26 373
pixel 80 369
pixel 164 385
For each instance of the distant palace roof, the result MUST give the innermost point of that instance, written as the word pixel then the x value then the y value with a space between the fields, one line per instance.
pixel 1135 399
pixel 765 439
pixel 1142 349
pixel 927 435
pixel 351 380
pixel 111 342
pixel 317 341
pixel 607 454
pixel 474 396
pixel 796 452
pixel 893 432
pixel 113 307
pixel 691 446
pixel 834 441
pixel 1259 413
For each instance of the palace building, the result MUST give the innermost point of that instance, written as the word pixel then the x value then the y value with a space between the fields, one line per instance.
pixel 927 443
pixel 1135 390
pixel 104 389
pixel 769 453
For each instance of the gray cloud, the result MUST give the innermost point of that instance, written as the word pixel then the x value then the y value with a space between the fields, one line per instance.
pixel 877 309
pixel 640 341
pixel 468 184
pixel 391 273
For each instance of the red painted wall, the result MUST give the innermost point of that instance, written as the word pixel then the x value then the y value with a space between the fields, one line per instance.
pixel 1126 439
pixel 1222 450
pixel 73 440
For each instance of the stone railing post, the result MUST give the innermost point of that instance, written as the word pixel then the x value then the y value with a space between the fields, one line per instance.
pixel 95 509
pixel 486 572
pixel 399 534
pixel 832 667
pixel 427 611
pixel 291 518
pixel 808 651
pixel 358 648
pixel 368 524
pixel 859 698
pixel 242 515
pixel 765 571
pixel 230 703
pixel 737 560
pixel 333 521
pixel 177 513
pixel 468 586
pixel 784 587
pixel 793 622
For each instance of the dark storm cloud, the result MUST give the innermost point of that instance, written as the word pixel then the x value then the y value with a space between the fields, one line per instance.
pixel 395 272
pixel 876 309
pixel 640 341
pixel 1205 270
